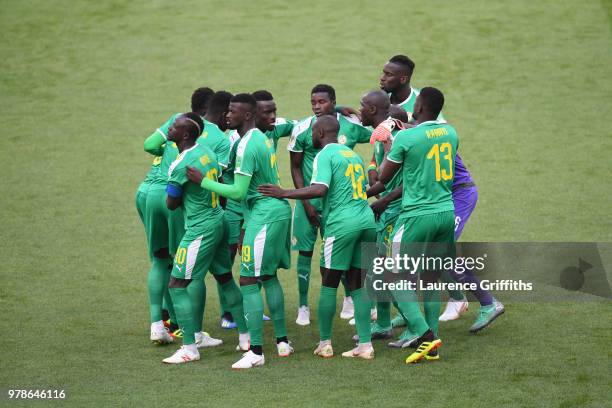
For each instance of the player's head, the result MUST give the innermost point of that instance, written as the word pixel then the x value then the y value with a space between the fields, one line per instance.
pixel 396 73
pixel 428 104
pixel 325 131
pixel 266 110
pixel 186 128
pixel 200 99
pixel 218 107
pixel 374 108
pixel 242 108
pixel 397 112
pixel 323 99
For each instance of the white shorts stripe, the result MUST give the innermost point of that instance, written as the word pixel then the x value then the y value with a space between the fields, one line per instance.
pixel 396 246
pixel 192 255
pixel 258 249
pixel 327 251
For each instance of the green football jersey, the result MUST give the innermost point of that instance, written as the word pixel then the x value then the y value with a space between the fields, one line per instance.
pixel 427 154
pixel 345 206
pixel 200 206
pixel 255 157
pixel 216 140
pixel 170 153
pixel 396 181
pixel 408 104
pixel 282 128
pixel 351 132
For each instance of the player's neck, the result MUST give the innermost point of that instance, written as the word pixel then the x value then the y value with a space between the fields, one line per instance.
pixel 425 117
pixel 245 127
pixel 212 119
pixel 325 142
pixel 378 119
pixel 401 94
pixel 184 145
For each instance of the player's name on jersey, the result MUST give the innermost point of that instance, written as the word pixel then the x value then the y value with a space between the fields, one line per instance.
pixel 495 285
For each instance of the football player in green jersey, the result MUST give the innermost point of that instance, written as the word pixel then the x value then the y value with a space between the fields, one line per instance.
pixel 266 119
pixel 375 111
pixel 395 80
pixel 214 136
pixel 426 156
pixel 204 245
pixel 307 213
pixel 266 243
pixel 339 179
pixel 164 229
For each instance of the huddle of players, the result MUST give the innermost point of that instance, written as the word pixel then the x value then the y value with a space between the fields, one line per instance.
pixel 196 163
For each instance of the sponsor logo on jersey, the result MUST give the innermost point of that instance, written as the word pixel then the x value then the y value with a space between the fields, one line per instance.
pixel 204 160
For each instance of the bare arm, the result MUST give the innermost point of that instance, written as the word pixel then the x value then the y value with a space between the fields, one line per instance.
pixel 312 191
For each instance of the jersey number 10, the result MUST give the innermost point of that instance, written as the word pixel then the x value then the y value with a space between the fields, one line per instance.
pixel 435 152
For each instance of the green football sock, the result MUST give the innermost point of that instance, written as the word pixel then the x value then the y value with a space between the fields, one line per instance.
pixel 276 304
pixel 347 292
pixel 431 300
pixel 232 294
pixel 362 315
pixel 157 282
pixel 184 313
pixel 167 302
pixel 326 311
pixel 408 305
pixel 197 292
pixel 383 313
pixel 223 307
pixel 253 312
pixel 455 294
pixel 303 274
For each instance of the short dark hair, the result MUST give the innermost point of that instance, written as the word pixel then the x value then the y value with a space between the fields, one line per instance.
pixel 262 95
pixel 404 61
pixel 246 99
pixel 432 100
pixel 200 98
pixel 219 102
pixel 325 88
pixel 194 117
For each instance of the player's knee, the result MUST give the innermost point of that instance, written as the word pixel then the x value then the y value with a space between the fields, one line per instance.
pixel 330 277
pixel 178 283
pixel 162 253
pixel 306 253
pixel 248 280
pixel 223 278
pixel 353 279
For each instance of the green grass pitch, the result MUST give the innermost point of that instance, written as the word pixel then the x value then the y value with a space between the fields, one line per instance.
pixel 82 84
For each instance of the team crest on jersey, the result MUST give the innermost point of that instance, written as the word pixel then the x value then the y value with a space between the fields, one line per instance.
pixel 342 139
pixel 204 160
pixel 157 160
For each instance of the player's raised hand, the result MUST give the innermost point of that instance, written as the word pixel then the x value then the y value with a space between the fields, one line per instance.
pixel 348 111
pixel 271 190
pixel 382 133
pixel 194 175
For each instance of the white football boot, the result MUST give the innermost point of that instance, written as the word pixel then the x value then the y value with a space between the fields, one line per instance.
pixel 454 309
pixel 303 318
pixel 249 360
pixel 348 309
pixel 183 355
